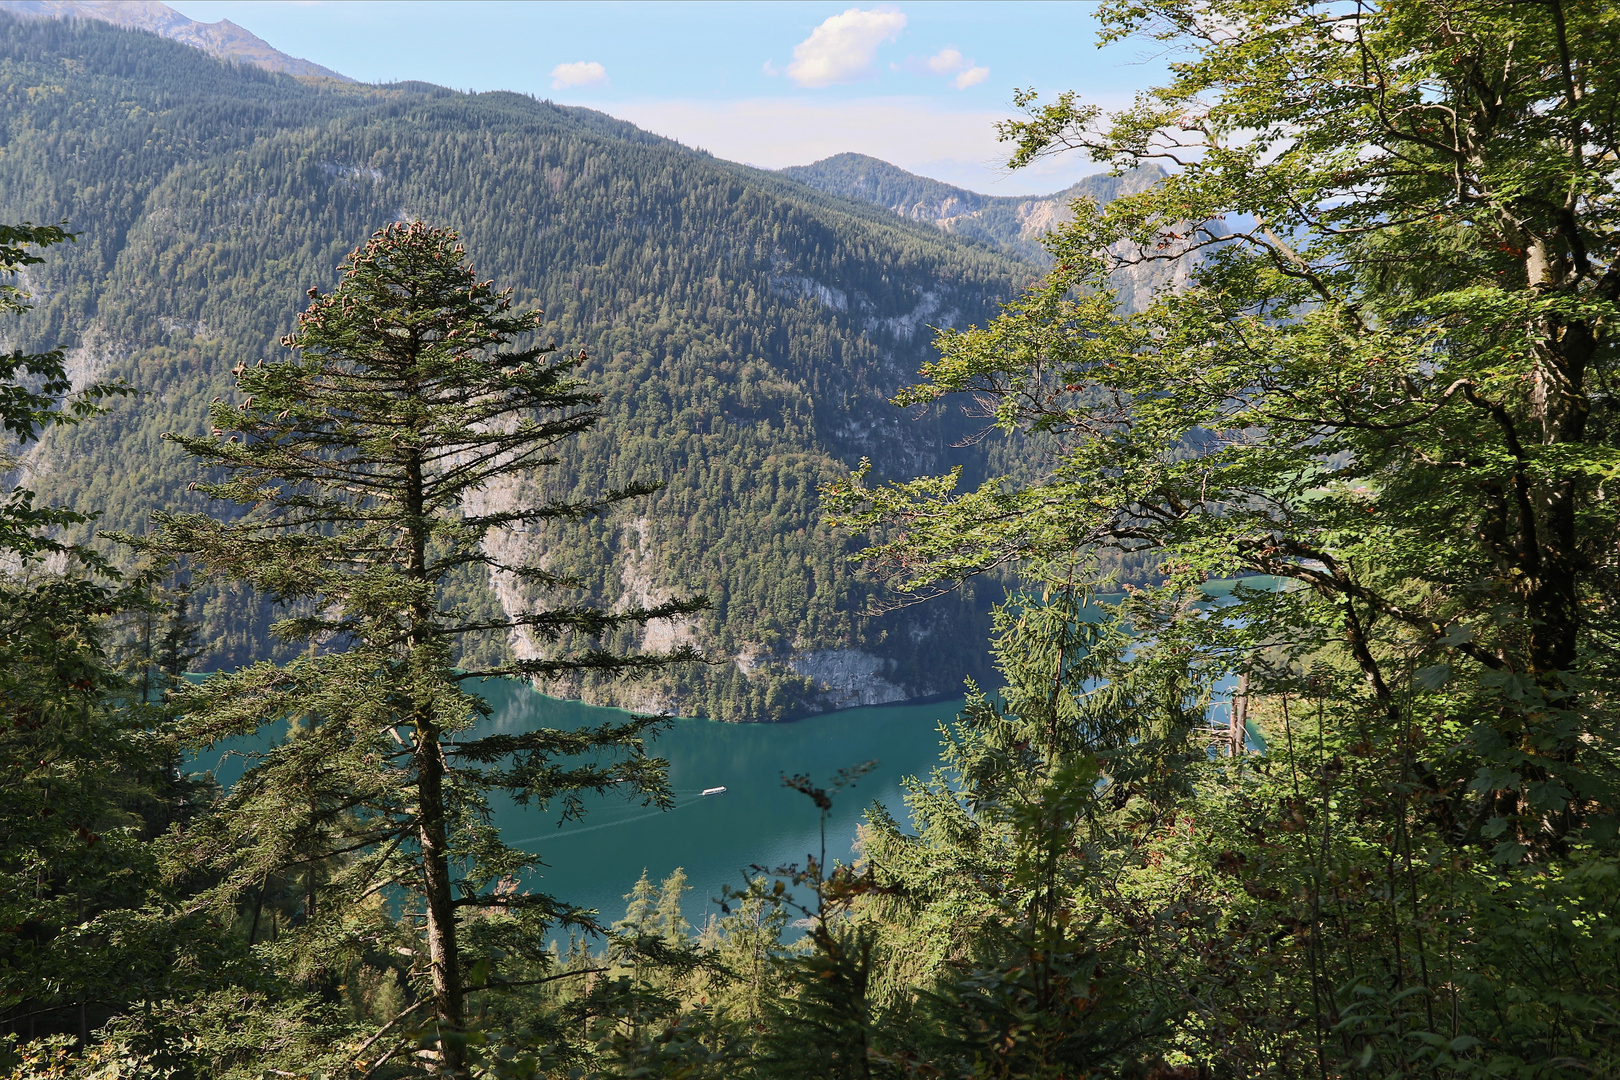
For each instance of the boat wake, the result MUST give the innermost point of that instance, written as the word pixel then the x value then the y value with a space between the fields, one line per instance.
pixel 683 799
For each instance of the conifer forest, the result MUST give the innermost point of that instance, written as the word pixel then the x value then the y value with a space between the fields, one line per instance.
pixel 1261 506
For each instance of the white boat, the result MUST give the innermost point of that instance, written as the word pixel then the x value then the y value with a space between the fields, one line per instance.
pixel 714 791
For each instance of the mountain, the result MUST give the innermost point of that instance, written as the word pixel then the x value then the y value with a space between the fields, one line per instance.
pixel 745 330
pixel 1012 223
pixel 223 39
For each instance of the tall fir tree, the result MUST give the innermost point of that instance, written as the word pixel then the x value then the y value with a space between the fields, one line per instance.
pixel 358 462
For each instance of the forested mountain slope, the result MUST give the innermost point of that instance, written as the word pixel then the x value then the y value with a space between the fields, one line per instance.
pixel 746 330
pixel 223 38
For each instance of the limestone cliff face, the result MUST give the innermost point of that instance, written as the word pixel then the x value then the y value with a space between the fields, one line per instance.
pixel 847 677
pixel 84 363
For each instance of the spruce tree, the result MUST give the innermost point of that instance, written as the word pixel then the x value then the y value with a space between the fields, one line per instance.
pixel 641 911
pixel 357 464
pixel 671 922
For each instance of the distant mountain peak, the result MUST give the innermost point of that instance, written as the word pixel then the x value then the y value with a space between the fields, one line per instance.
pixel 1014 223
pixel 223 39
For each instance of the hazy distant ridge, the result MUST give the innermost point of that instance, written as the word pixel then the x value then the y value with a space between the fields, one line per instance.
pixel 1014 223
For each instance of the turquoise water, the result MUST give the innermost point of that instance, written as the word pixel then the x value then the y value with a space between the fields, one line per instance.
pixel 594 861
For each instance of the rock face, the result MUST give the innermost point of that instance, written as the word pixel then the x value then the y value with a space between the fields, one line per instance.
pixel 223 39
pixel 847 677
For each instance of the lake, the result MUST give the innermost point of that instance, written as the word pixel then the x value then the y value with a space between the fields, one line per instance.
pixel 594 861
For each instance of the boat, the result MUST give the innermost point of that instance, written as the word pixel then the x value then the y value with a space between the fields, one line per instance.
pixel 714 791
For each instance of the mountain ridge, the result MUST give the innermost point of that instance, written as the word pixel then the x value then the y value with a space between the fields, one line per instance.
pixel 745 330
pixel 1014 223
pixel 223 39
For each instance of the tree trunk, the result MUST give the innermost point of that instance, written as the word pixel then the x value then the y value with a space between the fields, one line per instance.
pixel 1238 729
pixel 1560 407
pixel 258 907
pixel 441 913
pixel 443 953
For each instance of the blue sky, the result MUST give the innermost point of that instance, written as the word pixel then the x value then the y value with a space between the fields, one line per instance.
pixel 918 84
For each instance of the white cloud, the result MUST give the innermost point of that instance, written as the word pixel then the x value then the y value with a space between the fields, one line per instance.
pixel 971 77
pixel 950 60
pixel 842 48
pixel 579 73
pixel 955 145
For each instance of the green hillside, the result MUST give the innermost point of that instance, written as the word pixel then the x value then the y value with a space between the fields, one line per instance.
pixel 745 329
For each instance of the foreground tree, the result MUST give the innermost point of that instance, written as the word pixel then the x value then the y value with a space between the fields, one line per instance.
pixel 83 781
pixel 1387 393
pixel 358 461
pixel 1392 388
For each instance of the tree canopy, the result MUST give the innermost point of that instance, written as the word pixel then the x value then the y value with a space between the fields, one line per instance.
pixel 1328 787
pixel 1388 386
pixel 1382 408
